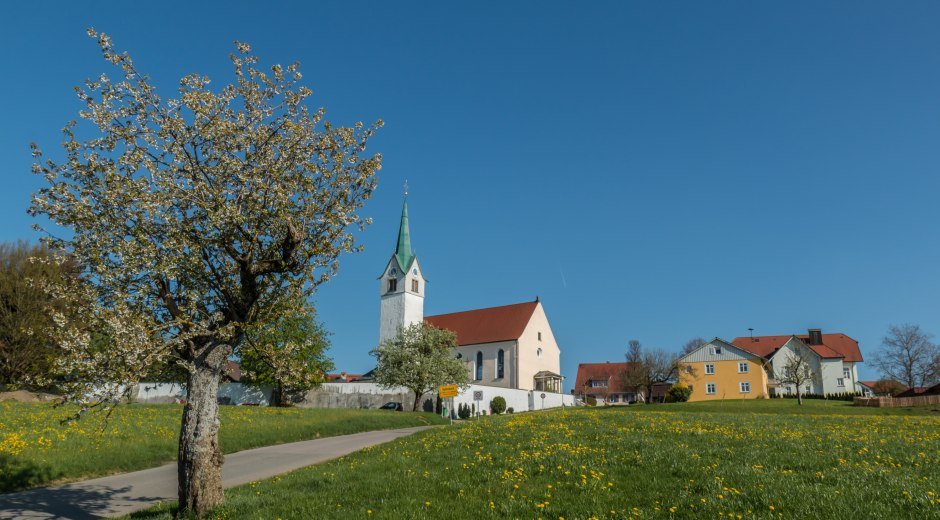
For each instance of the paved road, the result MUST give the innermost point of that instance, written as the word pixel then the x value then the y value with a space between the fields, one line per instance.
pixel 123 494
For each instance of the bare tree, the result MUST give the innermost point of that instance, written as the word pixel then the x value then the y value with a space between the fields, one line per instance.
pixel 692 345
pixel 645 369
pixel 798 370
pixel 908 356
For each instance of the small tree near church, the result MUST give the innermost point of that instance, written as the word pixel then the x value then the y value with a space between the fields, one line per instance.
pixel 420 358
pixel 192 219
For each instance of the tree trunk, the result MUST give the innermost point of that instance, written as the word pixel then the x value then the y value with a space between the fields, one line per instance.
pixel 799 398
pixel 199 462
pixel 280 396
pixel 417 399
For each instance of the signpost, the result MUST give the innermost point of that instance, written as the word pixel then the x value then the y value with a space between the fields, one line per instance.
pixel 449 391
pixel 478 396
pixel 543 400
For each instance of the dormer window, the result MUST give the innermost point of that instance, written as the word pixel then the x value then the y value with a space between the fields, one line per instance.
pixel 392 285
pixel 414 286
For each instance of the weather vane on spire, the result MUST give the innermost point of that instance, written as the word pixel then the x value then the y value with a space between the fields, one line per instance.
pixel 406 187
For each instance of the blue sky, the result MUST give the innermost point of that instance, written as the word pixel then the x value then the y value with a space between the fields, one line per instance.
pixel 651 170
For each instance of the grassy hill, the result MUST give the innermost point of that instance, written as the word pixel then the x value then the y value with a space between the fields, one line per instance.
pixel 754 459
pixel 36 449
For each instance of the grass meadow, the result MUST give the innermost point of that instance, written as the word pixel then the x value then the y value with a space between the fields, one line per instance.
pixel 729 460
pixel 36 449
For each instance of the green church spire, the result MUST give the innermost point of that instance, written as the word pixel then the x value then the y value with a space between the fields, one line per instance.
pixel 404 252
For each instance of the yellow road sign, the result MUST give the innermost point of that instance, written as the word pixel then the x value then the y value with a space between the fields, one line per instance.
pixel 448 391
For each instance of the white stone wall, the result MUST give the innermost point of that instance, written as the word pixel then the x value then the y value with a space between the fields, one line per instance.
pixel 518 400
pixel 229 393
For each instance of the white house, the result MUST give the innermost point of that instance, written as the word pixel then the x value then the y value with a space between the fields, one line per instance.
pixel 834 358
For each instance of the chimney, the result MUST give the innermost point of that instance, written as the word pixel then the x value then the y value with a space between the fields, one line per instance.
pixel 815 337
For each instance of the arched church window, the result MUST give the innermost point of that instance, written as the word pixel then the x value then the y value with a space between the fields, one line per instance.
pixel 414 286
pixel 538 352
pixel 392 285
pixel 500 367
pixel 479 374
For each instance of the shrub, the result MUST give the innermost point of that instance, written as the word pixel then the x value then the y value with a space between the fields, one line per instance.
pixel 678 393
pixel 463 411
pixel 498 405
pixel 509 410
pixel 590 400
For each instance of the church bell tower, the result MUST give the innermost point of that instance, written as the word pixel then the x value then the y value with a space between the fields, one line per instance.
pixel 401 286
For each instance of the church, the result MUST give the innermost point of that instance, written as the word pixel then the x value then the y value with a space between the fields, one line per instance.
pixel 509 346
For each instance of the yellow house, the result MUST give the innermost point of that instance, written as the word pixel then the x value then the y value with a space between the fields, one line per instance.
pixel 721 370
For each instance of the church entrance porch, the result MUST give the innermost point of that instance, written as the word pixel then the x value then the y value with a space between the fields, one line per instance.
pixel 547 381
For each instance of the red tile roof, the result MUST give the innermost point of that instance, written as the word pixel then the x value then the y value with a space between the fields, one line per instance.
pixel 343 377
pixel 609 372
pixel 912 392
pixel 233 371
pixel 836 345
pixel 489 325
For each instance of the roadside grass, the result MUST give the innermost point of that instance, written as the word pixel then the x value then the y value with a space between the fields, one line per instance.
pixel 635 462
pixel 35 449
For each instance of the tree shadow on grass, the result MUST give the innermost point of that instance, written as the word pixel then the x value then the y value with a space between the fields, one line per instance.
pixel 17 473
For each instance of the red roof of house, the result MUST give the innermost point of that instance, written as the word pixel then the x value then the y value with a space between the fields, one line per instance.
pixel 343 376
pixel 609 372
pixel 836 345
pixel 869 384
pixel 233 371
pixel 488 325
pixel 914 391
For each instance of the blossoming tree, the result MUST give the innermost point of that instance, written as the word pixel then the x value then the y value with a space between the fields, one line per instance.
pixel 193 219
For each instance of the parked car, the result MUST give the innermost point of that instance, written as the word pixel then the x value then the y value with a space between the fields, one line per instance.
pixel 392 405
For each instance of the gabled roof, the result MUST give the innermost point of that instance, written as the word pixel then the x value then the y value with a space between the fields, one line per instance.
pixel 834 346
pixel 610 372
pixel 505 323
pixel 718 342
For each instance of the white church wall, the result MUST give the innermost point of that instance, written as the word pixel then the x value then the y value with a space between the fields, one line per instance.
pixel 490 351
pixel 530 362
pixel 401 307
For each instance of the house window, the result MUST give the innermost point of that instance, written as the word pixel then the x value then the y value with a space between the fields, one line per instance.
pixel 614 398
pixel 500 358
pixel 414 286
pixel 392 285
pixel 710 388
pixel 709 369
pixel 598 383
pixel 717 351
pixel 847 373
pixel 745 387
pixel 840 381
pixel 479 374
pixel 742 367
